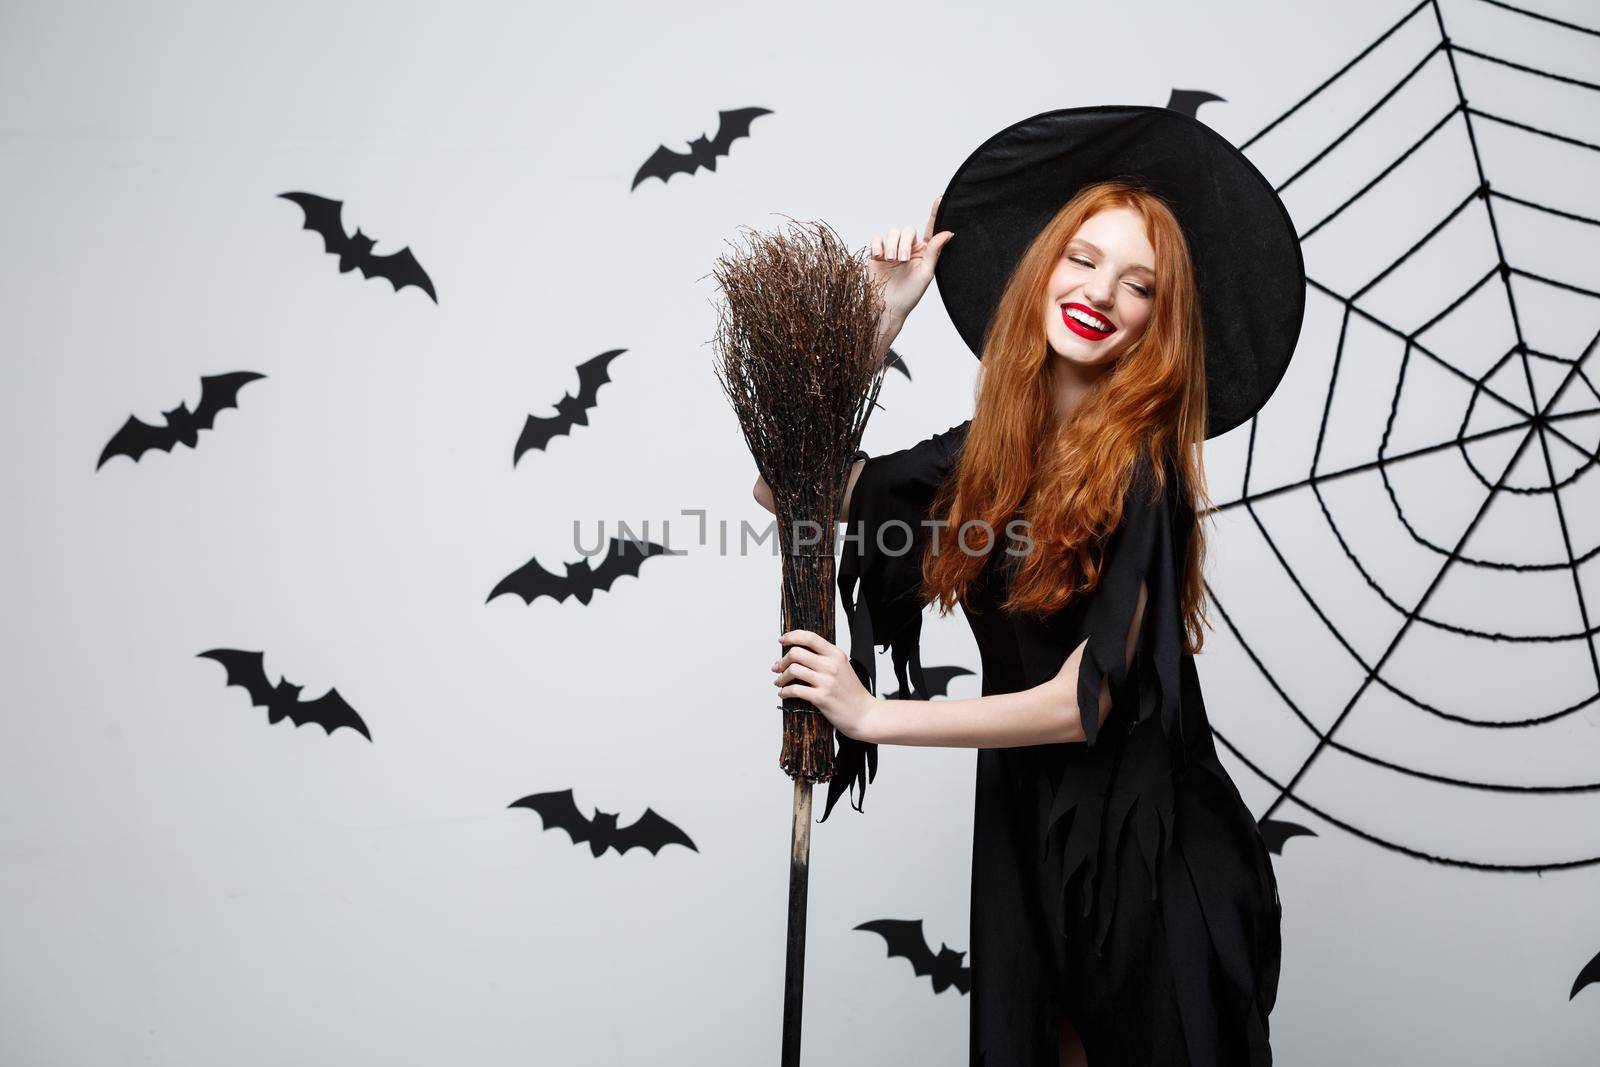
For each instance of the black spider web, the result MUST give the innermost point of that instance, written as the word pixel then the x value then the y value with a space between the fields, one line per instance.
pixel 1530 422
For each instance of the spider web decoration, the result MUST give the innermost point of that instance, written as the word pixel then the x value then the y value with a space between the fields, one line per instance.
pixel 1451 477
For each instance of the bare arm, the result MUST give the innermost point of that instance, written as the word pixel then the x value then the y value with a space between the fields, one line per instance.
pixel 1046 714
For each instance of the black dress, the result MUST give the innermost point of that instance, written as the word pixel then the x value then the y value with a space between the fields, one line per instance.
pixel 1123 880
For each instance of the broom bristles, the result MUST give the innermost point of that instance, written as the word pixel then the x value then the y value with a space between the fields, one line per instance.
pixel 796 356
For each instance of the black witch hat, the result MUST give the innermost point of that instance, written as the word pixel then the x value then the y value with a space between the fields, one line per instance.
pixel 1247 261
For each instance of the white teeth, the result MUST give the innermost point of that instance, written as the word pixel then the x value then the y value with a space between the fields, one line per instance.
pixel 1100 325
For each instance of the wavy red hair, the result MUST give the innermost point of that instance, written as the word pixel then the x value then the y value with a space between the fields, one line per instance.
pixel 1068 481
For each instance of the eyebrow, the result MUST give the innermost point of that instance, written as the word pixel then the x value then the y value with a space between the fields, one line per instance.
pixel 1097 250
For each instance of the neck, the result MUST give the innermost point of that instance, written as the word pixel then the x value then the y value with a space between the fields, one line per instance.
pixel 1070 381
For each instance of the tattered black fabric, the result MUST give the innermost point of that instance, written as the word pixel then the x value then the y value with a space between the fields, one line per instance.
pixel 881 558
pixel 1122 880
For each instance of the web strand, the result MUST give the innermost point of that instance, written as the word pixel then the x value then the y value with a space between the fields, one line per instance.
pixel 1536 421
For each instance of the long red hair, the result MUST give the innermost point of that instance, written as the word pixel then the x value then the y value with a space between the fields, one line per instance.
pixel 1069 480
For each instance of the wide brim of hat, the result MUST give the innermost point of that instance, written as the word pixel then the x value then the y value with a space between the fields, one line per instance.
pixel 1247 260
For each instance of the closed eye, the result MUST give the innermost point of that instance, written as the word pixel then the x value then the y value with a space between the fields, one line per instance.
pixel 1142 290
pixel 1082 261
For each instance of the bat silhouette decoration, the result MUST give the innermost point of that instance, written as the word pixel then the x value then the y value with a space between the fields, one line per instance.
pixel 1275 832
pixel 898 362
pixel 182 426
pixel 559 811
pixel 329 711
pixel 570 410
pixel 703 152
pixel 624 556
pixel 1590 975
pixel 938 679
pixel 904 937
pixel 1188 101
pixel 355 250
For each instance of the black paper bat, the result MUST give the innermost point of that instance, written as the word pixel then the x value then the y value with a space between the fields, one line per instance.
pixel 182 426
pixel 329 711
pixel 355 250
pixel 559 811
pixel 664 162
pixel 898 362
pixel 1590 975
pixel 624 556
pixel 570 410
pixel 1277 831
pixel 1188 101
pixel 904 938
pixel 938 679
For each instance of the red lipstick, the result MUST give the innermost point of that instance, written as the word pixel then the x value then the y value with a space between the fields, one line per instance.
pixel 1082 329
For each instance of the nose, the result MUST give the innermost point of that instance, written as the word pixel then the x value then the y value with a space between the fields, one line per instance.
pixel 1098 292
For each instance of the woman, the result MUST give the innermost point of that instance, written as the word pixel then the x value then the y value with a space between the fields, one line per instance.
pixel 1124 909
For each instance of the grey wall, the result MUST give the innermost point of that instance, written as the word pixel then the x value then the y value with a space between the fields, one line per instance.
pixel 185 884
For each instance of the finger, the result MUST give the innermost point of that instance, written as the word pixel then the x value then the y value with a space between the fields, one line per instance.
pixel 805 656
pixel 804 638
pixel 801 692
pixel 796 672
pixel 906 233
pixel 927 231
pixel 877 246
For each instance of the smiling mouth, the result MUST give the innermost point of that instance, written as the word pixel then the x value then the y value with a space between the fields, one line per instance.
pixel 1086 323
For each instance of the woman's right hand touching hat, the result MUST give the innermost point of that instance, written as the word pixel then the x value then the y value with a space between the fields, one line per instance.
pixel 902 262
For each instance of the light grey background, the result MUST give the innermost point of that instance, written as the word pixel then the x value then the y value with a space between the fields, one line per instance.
pixel 182 884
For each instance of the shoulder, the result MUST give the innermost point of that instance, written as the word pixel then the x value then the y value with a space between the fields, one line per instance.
pixel 949 442
pixel 926 461
pixel 945 443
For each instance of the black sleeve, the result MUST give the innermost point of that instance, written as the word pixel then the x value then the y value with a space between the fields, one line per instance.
pixel 1137 787
pixel 880 581
pixel 1141 549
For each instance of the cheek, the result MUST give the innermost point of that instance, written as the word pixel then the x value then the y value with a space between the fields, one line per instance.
pixel 1050 304
pixel 1052 312
pixel 1138 317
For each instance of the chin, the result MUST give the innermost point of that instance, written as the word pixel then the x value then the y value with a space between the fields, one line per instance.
pixel 1075 354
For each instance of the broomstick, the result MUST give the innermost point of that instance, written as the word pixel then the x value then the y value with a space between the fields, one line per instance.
pixel 796 357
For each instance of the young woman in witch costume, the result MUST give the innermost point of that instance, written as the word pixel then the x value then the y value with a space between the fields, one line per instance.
pixel 1132 286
